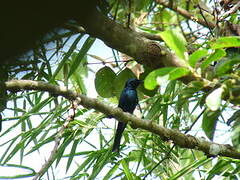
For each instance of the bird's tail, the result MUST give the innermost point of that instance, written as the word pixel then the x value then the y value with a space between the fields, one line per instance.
pixel 117 139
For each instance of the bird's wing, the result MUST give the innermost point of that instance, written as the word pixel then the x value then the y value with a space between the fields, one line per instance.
pixel 128 100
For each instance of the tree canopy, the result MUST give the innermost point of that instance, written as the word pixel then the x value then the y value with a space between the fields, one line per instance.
pixel 187 53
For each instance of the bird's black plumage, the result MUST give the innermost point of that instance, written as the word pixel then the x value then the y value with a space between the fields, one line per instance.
pixel 127 102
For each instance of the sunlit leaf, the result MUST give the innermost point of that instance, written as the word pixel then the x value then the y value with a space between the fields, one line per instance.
pixel 217 55
pixel 189 168
pixel 225 42
pixel 196 56
pixel 164 74
pixel 126 170
pixel 175 40
pixel 214 99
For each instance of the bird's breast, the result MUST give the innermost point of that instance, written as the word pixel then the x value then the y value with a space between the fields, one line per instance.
pixel 128 100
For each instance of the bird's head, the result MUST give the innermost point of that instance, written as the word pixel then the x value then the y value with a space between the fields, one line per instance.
pixel 133 83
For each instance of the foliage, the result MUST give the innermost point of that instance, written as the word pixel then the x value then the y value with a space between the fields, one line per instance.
pixel 32 120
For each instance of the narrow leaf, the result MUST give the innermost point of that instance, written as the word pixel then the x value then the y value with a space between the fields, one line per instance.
pixel 190 168
pixel 72 154
pixel 86 46
pixel 66 56
pixel 126 170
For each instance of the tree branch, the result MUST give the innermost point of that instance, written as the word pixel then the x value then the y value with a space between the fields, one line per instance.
pixel 187 15
pixel 178 138
pixel 231 11
pixel 57 141
pixel 128 41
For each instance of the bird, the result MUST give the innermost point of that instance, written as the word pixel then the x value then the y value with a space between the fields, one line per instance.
pixel 127 102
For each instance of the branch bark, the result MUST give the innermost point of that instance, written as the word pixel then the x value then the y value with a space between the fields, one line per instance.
pixel 178 138
pixel 128 41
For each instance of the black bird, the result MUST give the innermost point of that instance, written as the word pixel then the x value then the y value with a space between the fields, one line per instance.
pixel 127 102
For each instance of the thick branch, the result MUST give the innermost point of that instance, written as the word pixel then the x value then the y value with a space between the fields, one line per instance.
pixel 128 41
pixel 180 139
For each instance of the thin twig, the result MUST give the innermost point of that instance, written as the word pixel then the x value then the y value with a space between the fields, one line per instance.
pixel 166 157
pixel 57 141
pixel 129 13
pixel 231 11
pixel 198 117
pixel 186 14
pixel 210 29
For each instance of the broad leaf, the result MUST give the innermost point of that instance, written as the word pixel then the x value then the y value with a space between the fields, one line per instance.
pixel 226 65
pixel 213 100
pixel 196 56
pixel 158 76
pixel 176 42
pixel 104 82
pixel 217 55
pixel 209 122
pixel 225 42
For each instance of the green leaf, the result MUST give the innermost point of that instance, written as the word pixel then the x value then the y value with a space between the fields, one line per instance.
pixel 126 170
pixel 24 169
pixel 40 144
pixel 26 115
pixel 89 160
pixel 104 82
pixel 141 86
pixel 160 75
pixel 167 17
pixel 111 171
pixel 213 100
pixel 66 56
pixel 191 88
pixel 176 42
pixel 62 148
pixel 103 157
pixel 149 30
pixel 235 134
pixel 196 56
pixel 221 168
pixel 225 42
pixel 226 65
pixel 86 46
pixel 190 168
pixel 209 122
pixel 72 153
pixel 217 55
